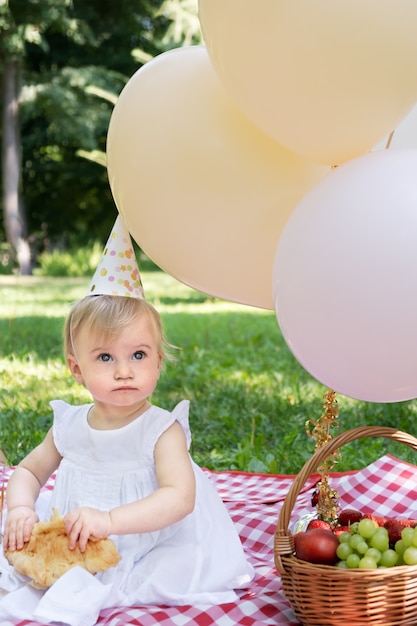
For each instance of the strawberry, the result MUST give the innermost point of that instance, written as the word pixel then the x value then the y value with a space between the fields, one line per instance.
pixel 319 523
pixel 408 522
pixel 341 529
pixel 394 529
pixel 379 519
pixel 349 516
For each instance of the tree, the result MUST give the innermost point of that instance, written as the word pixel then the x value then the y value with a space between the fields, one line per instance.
pixel 15 221
pixel 11 57
pixel 74 59
pixel 21 22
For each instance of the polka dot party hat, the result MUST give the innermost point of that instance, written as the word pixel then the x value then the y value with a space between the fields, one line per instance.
pixel 117 273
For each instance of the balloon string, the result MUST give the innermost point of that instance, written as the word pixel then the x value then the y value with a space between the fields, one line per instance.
pixel 390 138
pixel 325 497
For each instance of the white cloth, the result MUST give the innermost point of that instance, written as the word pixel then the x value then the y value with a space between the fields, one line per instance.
pixel 199 560
pixel 75 599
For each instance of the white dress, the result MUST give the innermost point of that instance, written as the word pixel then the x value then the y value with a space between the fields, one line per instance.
pixel 199 560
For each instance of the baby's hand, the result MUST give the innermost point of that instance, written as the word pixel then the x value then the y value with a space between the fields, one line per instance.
pixel 86 523
pixel 18 527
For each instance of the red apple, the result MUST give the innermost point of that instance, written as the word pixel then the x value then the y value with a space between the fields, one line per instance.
pixel 317 545
pixel 296 537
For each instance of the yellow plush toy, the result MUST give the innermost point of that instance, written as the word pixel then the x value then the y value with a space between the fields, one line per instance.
pixel 47 556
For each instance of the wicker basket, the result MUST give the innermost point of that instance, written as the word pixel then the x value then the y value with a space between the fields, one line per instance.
pixel 323 595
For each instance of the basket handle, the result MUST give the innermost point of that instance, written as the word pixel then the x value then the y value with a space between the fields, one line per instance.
pixel 283 538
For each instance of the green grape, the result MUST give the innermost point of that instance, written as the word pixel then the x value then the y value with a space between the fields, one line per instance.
pixel 407 535
pixel 366 546
pixel 355 540
pixel 362 547
pixel 374 554
pixel 410 555
pixel 380 539
pixel 389 558
pixel 343 551
pixel 353 561
pixel 366 528
pixel 367 562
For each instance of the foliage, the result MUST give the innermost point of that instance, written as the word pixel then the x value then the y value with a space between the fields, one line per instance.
pixel 75 261
pixel 70 262
pixel 77 58
pixel 250 399
pixel 6 259
pixel 183 23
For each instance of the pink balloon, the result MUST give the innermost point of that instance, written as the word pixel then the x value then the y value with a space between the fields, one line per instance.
pixel 345 278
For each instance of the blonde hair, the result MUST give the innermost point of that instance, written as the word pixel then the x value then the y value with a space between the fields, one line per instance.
pixel 108 316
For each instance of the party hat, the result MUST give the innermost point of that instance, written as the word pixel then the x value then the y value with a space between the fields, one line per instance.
pixel 117 274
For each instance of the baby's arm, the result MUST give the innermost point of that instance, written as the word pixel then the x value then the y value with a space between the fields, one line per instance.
pixel 23 490
pixel 171 502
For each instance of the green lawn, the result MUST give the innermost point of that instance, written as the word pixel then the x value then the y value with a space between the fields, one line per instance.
pixel 250 398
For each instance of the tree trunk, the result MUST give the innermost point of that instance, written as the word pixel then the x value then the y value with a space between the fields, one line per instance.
pixel 14 218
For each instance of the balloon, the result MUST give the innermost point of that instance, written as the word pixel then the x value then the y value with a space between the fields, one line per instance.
pixel 326 79
pixel 345 278
pixel 203 192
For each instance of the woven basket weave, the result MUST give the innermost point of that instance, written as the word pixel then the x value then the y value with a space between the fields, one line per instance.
pixel 323 595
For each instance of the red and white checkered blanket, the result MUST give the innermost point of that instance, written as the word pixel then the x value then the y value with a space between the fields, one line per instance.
pixel 387 486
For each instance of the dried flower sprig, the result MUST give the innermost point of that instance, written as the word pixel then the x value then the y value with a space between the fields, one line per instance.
pixel 325 498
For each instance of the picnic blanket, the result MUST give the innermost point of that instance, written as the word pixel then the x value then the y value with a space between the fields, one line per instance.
pixel 388 486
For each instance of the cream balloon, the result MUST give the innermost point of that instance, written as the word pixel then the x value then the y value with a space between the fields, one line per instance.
pixel 345 276
pixel 203 192
pixel 326 79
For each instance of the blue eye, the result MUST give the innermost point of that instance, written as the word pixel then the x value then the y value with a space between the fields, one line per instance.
pixel 105 357
pixel 139 355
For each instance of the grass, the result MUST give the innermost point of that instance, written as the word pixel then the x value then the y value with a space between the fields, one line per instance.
pixel 250 398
